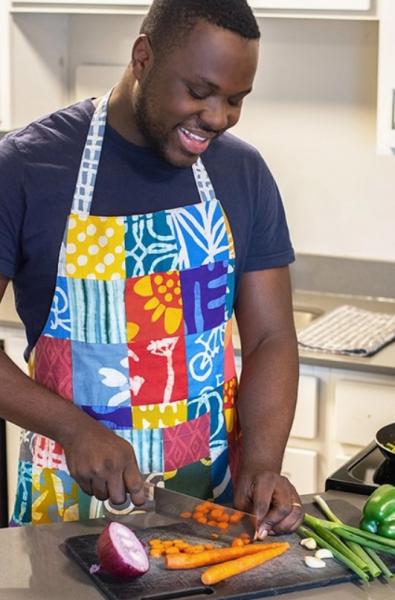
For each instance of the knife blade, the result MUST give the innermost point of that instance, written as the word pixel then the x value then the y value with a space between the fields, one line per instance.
pixel 169 503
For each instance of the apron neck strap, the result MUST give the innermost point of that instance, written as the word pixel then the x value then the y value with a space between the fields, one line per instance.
pixel 83 193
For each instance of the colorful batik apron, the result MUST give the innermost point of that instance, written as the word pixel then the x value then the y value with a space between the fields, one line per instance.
pixel 139 337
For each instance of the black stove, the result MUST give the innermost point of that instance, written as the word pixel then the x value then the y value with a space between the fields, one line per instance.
pixel 363 473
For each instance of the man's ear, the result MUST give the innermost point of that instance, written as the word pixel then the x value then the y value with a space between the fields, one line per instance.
pixel 142 56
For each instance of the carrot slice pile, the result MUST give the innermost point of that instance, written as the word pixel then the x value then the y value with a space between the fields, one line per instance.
pixel 174 547
pixel 224 570
pixel 214 515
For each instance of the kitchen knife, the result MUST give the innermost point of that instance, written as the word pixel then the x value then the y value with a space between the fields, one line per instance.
pixel 170 503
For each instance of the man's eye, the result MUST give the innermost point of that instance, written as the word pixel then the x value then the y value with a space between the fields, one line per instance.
pixel 196 95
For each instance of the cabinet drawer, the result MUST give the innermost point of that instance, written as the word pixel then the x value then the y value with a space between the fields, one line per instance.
pixel 300 466
pixel 306 414
pixel 361 408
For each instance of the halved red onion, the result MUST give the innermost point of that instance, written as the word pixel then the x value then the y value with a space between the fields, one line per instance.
pixel 121 553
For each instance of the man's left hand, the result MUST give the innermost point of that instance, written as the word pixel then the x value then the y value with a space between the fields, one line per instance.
pixel 272 498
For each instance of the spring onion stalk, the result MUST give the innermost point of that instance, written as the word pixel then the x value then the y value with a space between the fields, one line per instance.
pixel 370 543
pixel 340 546
pixel 335 527
pixel 307 532
pixel 372 561
pixel 380 563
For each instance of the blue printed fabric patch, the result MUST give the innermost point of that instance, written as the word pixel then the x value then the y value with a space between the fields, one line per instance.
pixel 221 477
pixel 112 418
pixel 201 234
pixel 58 322
pixel 109 382
pixel 230 290
pixel 23 501
pixel 150 244
pixel 97 311
pixel 205 360
pixel 148 448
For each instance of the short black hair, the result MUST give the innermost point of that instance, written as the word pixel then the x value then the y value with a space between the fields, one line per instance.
pixel 169 21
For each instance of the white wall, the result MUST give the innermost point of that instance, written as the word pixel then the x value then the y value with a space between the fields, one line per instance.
pixel 312 114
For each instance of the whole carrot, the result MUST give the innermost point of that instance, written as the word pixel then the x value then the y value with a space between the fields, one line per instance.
pixel 217 555
pixel 230 568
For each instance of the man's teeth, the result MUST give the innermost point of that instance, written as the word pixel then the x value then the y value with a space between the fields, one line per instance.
pixel 192 136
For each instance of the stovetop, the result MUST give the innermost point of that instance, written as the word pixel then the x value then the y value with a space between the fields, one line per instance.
pixel 363 473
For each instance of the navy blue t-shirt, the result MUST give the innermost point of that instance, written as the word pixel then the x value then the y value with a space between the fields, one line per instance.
pixel 38 172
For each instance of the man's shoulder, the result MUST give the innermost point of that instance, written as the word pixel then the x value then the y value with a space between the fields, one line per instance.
pixel 237 159
pixel 230 150
pixel 50 133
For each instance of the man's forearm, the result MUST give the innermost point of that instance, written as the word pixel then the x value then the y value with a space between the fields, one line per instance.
pixel 267 399
pixel 33 407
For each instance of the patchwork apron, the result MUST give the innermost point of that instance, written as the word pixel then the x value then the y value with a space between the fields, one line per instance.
pixel 139 337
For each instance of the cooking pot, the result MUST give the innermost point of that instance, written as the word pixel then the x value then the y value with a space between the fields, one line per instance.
pixel 383 436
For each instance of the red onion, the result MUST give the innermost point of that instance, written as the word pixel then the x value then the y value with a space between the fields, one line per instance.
pixel 121 553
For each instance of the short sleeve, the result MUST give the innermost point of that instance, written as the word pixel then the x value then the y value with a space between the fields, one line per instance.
pixel 270 245
pixel 12 207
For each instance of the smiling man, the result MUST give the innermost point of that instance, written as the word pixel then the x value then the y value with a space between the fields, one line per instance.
pixel 133 227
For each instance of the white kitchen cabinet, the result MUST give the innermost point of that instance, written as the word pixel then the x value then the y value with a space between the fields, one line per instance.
pixel 300 466
pixel 306 414
pixel 281 8
pixel 386 79
pixel 5 51
pixel 361 408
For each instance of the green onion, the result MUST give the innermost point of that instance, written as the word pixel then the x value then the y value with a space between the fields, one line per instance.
pixel 371 560
pixel 307 532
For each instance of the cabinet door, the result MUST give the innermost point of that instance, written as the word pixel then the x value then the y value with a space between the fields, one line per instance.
pixel 300 466
pixel 341 5
pixel 306 414
pixel 361 408
pixel 386 79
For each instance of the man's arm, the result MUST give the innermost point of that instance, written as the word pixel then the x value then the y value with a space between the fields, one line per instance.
pixel 102 463
pixel 267 397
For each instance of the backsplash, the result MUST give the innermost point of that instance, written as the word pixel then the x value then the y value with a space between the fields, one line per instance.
pixel 343 276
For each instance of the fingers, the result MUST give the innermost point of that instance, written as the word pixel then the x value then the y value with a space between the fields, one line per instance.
pixel 134 483
pixel 277 505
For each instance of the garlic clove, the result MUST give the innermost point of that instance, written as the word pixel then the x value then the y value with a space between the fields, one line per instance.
pixel 309 543
pixel 323 553
pixel 314 563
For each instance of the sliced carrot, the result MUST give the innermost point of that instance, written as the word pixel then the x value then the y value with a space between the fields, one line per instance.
pixel 237 542
pixel 244 535
pixel 156 553
pixel 217 555
pixel 236 517
pixel 216 513
pixel 185 515
pixel 227 569
pixel 223 525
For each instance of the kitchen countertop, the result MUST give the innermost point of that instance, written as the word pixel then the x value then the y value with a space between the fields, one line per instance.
pixel 382 362
pixel 32 565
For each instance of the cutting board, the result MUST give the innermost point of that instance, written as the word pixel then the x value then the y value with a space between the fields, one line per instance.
pixel 287 573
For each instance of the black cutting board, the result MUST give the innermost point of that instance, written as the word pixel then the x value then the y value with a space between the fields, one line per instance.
pixel 287 573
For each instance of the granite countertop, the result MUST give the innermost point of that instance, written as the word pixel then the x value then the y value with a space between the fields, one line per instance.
pixel 33 566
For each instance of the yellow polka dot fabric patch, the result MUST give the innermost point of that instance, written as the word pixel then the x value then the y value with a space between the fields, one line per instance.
pixel 95 247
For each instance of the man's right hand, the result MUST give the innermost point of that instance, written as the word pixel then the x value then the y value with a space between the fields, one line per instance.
pixel 103 464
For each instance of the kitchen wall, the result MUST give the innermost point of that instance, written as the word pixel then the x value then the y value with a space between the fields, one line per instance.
pixel 312 115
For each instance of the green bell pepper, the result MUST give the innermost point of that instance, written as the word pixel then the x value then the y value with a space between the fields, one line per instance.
pixel 379 512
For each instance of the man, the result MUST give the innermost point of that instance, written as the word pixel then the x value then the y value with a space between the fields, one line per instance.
pixel 131 227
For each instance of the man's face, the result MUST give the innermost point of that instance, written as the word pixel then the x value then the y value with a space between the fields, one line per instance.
pixel 194 94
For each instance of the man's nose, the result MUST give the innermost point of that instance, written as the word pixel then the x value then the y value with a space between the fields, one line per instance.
pixel 218 115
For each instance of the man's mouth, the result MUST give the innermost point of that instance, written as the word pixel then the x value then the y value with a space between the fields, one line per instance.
pixel 192 142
